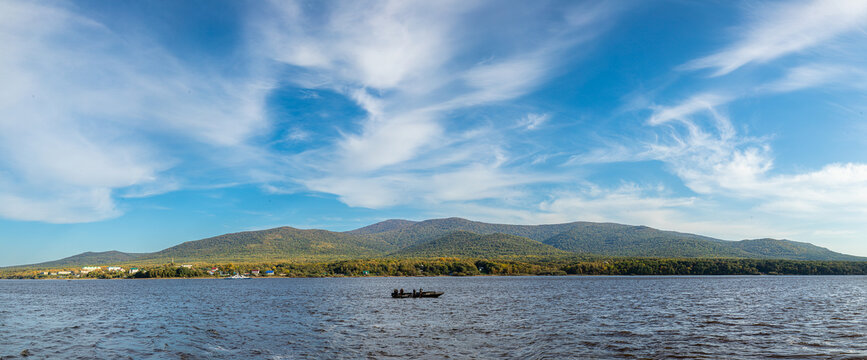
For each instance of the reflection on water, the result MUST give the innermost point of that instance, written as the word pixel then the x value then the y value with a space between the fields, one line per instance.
pixel 478 317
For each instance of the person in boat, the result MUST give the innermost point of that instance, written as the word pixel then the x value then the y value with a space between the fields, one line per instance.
pixel 394 293
pixel 401 291
pixel 420 292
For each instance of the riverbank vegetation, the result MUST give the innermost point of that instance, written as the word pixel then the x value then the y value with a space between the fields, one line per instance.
pixel 469 267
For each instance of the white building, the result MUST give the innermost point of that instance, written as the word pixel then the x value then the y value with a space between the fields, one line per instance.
pixel 64 273
pixel 115 268
pixel 133 271
pixel 90 268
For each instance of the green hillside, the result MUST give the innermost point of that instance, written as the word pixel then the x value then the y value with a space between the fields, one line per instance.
pixel 423 231
pixel 274 244
pixel 383 226
pixel 624 240
pixel 456 237
pixel 787 249
pixel 465 244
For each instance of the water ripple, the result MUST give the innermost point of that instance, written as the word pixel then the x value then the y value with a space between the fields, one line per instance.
pixel 481 317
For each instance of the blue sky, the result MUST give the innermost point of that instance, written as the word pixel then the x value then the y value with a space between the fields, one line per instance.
pixel 139 125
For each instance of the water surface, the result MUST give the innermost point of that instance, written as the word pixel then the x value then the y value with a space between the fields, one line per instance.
pixel 478 317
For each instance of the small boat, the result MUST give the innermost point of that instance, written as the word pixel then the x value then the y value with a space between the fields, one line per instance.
pixel 430 294
pixel 236 276
pixel 415 294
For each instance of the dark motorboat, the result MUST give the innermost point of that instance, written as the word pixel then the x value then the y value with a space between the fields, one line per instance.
pixel 430 294
pixel 415 294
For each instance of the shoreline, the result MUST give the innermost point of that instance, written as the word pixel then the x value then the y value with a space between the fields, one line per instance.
pixel 451 267
pixel 446 276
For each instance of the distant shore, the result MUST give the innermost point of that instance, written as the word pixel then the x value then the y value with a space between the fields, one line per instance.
pixel 452 267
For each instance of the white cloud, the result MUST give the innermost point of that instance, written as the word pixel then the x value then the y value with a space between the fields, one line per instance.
pixel 785 28
pixel 383 45
pixel 388 142
pixel 82 105
pixel 682 111
pixel 297 134
pixel 707 154
pixel 502 80
pixel 738 193
pixel 70 205
pixel 423 189
pixel 815 75
pixel 411 66
pixel 533 121
pixel 629 203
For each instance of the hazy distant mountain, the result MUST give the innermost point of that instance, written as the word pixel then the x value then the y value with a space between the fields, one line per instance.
pixel 456 237
pixel 95 259
pixel 492 246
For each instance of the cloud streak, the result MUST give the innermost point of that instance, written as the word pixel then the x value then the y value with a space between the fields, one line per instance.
pixel 415 70
pixel 786 28
pixel 83 107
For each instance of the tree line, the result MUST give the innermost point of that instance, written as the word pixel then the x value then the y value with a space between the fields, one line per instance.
pixel 471 267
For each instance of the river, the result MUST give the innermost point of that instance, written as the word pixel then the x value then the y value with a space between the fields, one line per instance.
pixel 477 317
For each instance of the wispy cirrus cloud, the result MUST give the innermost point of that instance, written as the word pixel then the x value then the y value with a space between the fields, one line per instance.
pixel 83 107
pixel 785 28
pixel 96 113
pixel 817 75
pixel 533 121
pixel 720 163
pixel 726 170
pixel 415 68
pixel 712 158
pixel 730 173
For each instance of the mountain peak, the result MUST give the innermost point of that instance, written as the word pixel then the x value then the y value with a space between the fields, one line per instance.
pixel 383 226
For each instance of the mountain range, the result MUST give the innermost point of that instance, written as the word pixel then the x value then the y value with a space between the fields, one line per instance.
pixel 461 238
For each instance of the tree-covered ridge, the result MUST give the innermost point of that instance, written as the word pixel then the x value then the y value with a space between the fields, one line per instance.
pixel 383 226
pixel 465 244
pixel 427 230
pixel 623 240
pixel 411 238
pixel 608 239
pixel 272 244
pixel 787 249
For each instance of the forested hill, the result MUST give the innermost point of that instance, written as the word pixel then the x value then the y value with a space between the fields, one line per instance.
pixel 465 244
pixel 608 239
pixel 280 243
pixel 456 237
pixel 419 232
pixel 383 226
